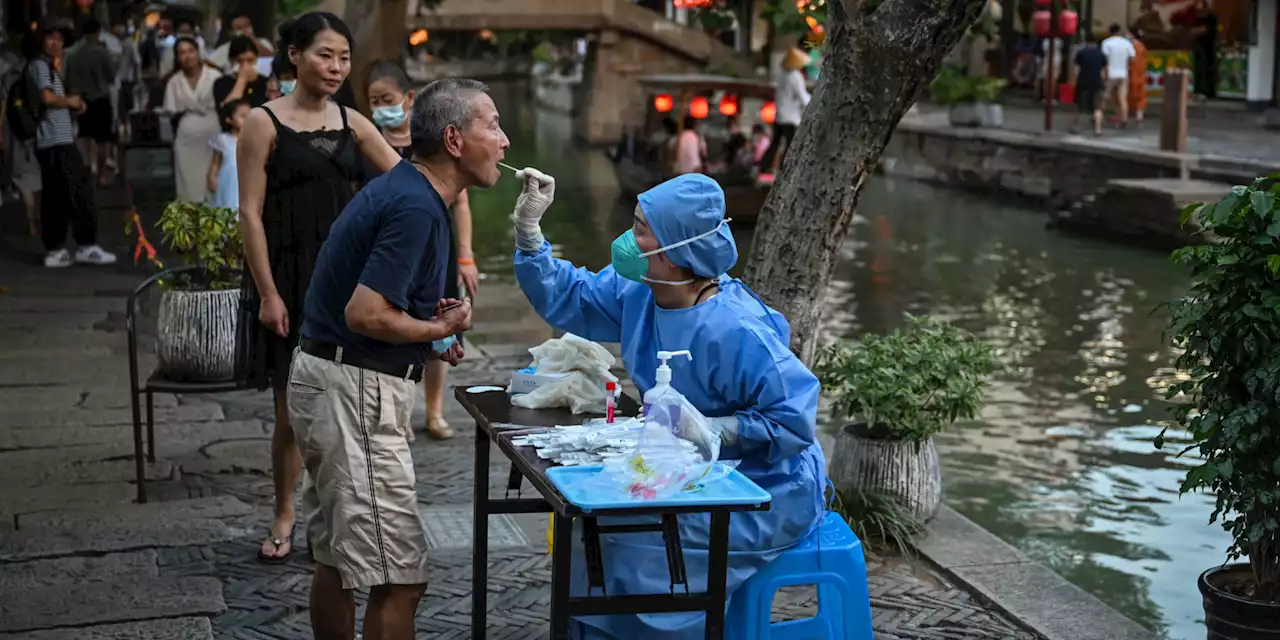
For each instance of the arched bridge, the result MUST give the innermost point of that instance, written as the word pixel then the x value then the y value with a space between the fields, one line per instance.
pixel 633 41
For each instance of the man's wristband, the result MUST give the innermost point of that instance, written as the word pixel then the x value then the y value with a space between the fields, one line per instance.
pixel 466 261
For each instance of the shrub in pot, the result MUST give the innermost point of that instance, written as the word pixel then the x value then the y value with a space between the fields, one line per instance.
pixel 1228 327
pixel 893 393
pixel 196 326
pixel 972 101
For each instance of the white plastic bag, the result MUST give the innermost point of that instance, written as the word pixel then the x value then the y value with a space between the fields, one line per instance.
pixel 582 391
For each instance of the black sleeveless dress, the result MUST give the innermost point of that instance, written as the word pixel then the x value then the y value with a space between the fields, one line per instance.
pixel 311 176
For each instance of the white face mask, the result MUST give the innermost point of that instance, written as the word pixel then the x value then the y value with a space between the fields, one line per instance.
pixel 682 243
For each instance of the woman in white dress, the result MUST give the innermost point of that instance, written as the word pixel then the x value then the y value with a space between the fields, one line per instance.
pixel 188 96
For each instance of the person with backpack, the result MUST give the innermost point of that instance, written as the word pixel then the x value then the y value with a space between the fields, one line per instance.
pixel 68 198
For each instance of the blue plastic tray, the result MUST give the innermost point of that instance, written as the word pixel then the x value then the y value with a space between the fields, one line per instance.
pixel 734 489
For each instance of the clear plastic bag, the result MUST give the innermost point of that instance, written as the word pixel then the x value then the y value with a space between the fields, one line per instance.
pixel 659 466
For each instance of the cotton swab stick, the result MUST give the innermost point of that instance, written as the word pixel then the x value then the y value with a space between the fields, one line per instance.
pixel 509 167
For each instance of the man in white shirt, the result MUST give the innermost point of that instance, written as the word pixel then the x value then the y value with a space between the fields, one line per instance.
pixel 241 26
pixel 1119 52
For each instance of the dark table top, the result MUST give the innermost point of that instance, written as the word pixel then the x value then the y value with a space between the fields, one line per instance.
pixel 494 407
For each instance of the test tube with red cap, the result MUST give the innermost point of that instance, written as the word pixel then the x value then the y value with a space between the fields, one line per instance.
pixel 610 395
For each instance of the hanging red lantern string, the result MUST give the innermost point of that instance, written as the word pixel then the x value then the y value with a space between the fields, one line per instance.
pixel 768 112
pixel 699 108
pixel 729 105
pixel 663 103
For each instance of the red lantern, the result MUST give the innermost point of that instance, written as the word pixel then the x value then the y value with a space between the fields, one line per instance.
pixel 1040 23
pixel 768 112
pixel 662 103
pixel 699 108
pixel 1068 22
pixel 729 106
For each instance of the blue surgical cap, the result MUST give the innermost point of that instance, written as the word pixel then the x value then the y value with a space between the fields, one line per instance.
pixel 687 206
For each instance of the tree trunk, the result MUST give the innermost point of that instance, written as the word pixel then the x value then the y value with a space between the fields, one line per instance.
pixel 382 33
pixel 878 55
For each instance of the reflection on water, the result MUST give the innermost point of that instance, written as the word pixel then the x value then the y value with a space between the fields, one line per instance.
pixel 1061 464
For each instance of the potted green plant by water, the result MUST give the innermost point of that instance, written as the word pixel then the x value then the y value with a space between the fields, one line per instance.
pixel 892 394
pixel 1228 327
pixel 971 101
pixel 198 316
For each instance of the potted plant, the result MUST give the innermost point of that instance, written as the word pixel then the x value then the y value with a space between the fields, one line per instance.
pixel 972 100
pixel 1228 327
pixel 894 393
pixel 196 324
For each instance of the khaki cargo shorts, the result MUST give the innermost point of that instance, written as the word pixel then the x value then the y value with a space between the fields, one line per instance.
pixel 361 507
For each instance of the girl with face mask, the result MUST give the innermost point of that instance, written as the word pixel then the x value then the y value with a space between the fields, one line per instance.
pixel 390 98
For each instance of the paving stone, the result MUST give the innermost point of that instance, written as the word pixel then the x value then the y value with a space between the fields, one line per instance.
pixel 49 542
pixel 104 602
pixel 74 417
pixel 193 432
pixel 215 507
pixel 451 528
pixel 73 321
pixel 99 396
pixel 41 573
pixel 47 337
pixel 26 499
pixel 92 472
pixel 164 629
pixel 955 541
pixel 246 455
pixel 10 304
pixel 1047 603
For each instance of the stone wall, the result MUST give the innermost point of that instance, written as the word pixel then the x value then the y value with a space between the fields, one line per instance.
pixel 1069 177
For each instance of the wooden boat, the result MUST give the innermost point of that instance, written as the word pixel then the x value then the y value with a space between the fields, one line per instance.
pixel 642 160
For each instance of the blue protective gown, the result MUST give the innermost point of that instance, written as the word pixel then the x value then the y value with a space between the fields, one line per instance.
pixel 741 366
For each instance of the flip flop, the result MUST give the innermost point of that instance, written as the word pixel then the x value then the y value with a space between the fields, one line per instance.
pixel 277 543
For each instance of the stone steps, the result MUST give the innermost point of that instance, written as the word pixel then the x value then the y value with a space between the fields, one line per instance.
pixel 123 600
pixel 122 527
pixel 32 416
pixel 162 629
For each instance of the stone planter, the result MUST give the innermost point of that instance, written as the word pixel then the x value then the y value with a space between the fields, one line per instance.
pixel 1228 616
pixel 976 114
pixel 865 459
pixel 196 334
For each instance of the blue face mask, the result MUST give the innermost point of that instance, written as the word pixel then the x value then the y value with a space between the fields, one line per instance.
pixel 633 264
pixel 287 86
pixel 389 117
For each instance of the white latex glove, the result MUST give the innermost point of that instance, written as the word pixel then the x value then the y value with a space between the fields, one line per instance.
pixel 538 193
pixel 707 433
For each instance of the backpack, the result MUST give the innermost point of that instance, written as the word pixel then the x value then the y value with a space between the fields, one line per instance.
pixel 24 109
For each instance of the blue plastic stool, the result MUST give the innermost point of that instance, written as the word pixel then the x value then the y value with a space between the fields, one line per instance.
pixel 830 558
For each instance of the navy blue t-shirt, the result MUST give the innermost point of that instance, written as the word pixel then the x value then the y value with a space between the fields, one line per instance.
pixel 1091 61
pixel 393 238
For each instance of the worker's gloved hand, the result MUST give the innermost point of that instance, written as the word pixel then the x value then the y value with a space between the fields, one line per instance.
pixel 538 193
pixel 707 433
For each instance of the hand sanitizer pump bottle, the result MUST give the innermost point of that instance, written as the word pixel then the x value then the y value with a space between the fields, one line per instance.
pixel 662 402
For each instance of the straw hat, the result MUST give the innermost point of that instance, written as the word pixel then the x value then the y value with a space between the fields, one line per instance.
pixel 796 59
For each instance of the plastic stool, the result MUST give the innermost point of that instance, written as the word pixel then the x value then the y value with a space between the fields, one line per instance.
pixel 830 558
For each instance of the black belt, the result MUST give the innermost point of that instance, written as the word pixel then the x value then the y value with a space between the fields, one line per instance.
pixel 335 353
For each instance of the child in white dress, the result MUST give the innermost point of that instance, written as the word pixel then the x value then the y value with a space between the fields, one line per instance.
pixel 224 186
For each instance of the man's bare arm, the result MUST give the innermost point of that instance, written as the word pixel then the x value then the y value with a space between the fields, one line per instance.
pixel 370 314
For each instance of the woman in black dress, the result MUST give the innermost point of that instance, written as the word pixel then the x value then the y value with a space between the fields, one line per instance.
pixel 390 101
pixel 298 167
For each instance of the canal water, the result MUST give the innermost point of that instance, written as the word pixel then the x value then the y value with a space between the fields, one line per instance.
pixel 1061 463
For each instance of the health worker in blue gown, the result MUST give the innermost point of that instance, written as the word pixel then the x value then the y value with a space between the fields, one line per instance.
pixel 666 289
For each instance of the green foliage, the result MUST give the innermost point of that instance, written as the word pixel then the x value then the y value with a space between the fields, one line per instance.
pixel 205 236
pixel 954 86
pixel 291 8
pixel 1228 327
pixel 714 19
pixel 788 21
pixel 915 382
pixel 878 518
